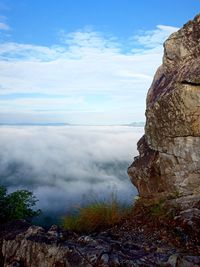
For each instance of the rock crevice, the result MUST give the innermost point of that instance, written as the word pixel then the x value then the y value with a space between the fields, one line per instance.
pixel 169 153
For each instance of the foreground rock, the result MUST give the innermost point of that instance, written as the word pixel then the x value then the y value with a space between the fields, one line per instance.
pixel 131 244
pixel 169 160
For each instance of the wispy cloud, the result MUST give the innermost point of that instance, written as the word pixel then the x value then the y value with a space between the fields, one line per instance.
pixel 86 63
pixel 154 38
pixel 4 26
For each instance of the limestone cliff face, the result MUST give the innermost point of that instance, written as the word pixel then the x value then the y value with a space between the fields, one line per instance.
pixel 169 152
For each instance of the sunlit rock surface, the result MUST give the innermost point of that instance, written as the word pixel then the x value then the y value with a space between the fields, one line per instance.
pixel 169 160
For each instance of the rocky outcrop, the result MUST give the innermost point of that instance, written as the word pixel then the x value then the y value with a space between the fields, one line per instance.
pixel 169 152
pixel 126 245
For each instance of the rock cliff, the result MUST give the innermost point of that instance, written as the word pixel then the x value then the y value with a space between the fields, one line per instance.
pixel 169 152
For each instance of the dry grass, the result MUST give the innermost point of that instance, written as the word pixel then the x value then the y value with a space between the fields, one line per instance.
pixel 96 216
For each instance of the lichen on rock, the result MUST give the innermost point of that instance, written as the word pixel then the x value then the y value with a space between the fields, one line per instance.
pixel 169 159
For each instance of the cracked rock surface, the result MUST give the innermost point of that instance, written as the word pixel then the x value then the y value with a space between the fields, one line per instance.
pixel 132 244
pixel 169 152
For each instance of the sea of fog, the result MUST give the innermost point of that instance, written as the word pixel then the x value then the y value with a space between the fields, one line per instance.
pixel 67 166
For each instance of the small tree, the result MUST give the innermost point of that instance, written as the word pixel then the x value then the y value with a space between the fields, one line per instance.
pixel 17 205
pixel 3 203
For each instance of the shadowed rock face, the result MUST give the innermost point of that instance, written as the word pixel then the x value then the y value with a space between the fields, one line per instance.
pixel 169 160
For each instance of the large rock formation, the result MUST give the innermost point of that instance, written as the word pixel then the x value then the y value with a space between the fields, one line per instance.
pixel 169 152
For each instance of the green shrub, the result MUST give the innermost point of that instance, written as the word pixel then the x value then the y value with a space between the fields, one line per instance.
pixel 163 210
pixel 96 216
pixel 158 209
pixel 16 205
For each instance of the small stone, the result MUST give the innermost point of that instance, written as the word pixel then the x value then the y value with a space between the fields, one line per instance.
pixel 34 230
pixel 173 260
pixel 188 261
pixel 87 240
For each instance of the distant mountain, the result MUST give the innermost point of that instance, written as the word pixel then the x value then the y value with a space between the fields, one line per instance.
pixel 133 124
pixel 137 124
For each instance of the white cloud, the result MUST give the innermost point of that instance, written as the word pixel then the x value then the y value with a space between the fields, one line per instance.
pixel 85 64
pixel 3 23
pixel 90 39
pixel 154 38
pixel 4 26
pixel 40 104
pixel 60 164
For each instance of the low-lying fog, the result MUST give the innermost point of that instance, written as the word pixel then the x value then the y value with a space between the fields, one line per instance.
pixel 68 165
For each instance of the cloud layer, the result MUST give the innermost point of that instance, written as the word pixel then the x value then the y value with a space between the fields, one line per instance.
pixel 86 72
pixel 64 165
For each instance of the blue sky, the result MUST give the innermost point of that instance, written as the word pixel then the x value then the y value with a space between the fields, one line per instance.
pixel 82 61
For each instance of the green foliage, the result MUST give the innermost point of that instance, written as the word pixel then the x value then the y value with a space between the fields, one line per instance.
pixel 16 205
pixel 158 209
pixel 96 216
pixel 163 210
pixel 3 204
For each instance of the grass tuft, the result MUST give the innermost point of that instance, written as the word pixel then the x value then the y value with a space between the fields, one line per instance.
pixel 96 216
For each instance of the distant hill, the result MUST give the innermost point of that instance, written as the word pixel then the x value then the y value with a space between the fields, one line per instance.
pixel 137 124
pixel 133 124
